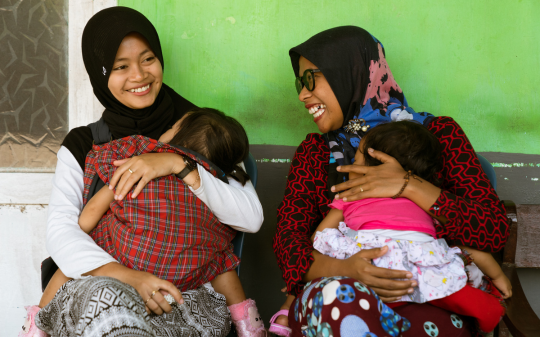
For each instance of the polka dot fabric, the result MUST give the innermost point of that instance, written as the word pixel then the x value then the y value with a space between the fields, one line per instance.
pixel 339 306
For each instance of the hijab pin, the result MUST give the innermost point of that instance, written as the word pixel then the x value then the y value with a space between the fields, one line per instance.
pixel 356 125
pixel 104 71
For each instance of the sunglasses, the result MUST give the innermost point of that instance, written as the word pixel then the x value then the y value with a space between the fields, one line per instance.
pixel 307 80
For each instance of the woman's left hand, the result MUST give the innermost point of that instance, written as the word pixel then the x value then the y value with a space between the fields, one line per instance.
pixel 142 169
pixel 382 181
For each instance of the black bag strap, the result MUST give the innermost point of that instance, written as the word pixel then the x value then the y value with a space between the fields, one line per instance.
pixel 100 132
pixel 101 135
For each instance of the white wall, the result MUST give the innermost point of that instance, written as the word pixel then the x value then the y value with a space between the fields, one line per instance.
pixel 24 196
pixel 22 245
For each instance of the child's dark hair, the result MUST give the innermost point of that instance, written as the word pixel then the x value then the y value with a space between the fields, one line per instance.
pixel 218 137
pixel 410 143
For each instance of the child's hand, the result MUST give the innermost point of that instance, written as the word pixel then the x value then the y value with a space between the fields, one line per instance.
pixel 503 284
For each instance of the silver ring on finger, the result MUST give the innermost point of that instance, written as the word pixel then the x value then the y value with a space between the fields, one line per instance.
pixel 361 189
pixel 130 170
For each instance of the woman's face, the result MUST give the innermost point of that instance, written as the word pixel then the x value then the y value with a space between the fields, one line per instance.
pixel 136 76
pixel 321 103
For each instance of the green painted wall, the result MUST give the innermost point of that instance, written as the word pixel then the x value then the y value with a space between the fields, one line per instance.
pixel 476 61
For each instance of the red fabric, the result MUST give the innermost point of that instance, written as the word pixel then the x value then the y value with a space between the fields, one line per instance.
pixel 477 217
pixel 473 302
pixel 166 230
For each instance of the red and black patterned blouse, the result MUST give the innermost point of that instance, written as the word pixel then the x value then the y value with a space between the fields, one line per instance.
pixel 476 216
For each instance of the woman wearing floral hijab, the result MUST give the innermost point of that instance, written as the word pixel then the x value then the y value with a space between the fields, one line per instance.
pixel 345 83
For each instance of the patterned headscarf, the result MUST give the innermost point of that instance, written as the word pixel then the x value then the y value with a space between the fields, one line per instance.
pixel 354 64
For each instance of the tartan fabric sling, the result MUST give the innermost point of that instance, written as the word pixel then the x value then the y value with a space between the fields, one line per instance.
pixel 166 230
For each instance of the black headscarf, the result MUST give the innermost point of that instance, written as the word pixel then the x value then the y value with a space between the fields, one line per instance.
pixel 354 64
pixel 101 39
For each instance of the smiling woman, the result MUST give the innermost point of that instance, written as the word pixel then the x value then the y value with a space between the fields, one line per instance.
pixel 123 58
pixel 137 74
pixel 354 91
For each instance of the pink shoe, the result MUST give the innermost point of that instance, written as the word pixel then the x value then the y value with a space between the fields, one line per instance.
pixel 29 329
pixel 247 320
pixel 279 329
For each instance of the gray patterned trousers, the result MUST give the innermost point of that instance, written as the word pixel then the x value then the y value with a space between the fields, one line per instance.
pixel 104 306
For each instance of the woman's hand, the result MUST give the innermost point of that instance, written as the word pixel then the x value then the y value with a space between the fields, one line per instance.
pixel 382 181
pixel 150 287
pixel 142 169
pixel 381 280
pixel 152 290
pixel 385 181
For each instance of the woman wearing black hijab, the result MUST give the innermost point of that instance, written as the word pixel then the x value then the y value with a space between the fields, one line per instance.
pixel 345 83
pixel 122 55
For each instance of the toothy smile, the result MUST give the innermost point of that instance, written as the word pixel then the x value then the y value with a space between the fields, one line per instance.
pixel 141 89
pixel 317 110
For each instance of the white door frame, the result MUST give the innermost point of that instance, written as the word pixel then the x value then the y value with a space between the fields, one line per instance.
pixel 83 108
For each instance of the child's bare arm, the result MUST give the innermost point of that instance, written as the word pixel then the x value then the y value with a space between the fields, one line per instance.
pixel 332 220
pixel 491 268
pixel 95 208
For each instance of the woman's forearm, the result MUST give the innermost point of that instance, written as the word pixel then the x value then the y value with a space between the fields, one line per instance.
pixel 112 269
pixel 424 194
pixel 324 266
pixel 233 204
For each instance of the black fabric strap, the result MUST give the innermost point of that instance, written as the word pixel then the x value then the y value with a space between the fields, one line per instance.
pixel 100 132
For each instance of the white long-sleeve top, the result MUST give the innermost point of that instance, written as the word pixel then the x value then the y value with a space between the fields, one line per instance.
pixel 76 253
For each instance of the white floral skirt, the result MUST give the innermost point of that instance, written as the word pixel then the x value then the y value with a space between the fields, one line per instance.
pixel 438 269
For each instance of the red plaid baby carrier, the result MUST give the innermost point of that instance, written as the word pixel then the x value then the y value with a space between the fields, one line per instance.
pixel 166 230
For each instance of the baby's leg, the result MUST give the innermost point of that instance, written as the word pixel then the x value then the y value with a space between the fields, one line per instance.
pixel 244 313
pixel 229 285
pixel 55 283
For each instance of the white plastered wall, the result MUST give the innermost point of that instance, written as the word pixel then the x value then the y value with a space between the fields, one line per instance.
pixel 24 196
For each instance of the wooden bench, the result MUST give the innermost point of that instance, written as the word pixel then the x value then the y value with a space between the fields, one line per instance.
pixel 522 250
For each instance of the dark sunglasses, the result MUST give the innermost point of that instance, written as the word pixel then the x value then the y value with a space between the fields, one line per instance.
pixel 307 80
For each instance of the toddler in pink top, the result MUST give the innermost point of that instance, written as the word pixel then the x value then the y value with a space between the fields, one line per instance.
pixel 409 233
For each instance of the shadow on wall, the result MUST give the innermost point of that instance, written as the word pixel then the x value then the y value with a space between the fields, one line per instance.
pixel 518 179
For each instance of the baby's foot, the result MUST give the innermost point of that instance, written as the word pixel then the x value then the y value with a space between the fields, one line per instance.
pixel 247 320
pixel 279 323
pixel 29 329
pixel 283 320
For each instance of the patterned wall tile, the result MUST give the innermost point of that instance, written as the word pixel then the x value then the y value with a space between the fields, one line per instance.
pixel 33 83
